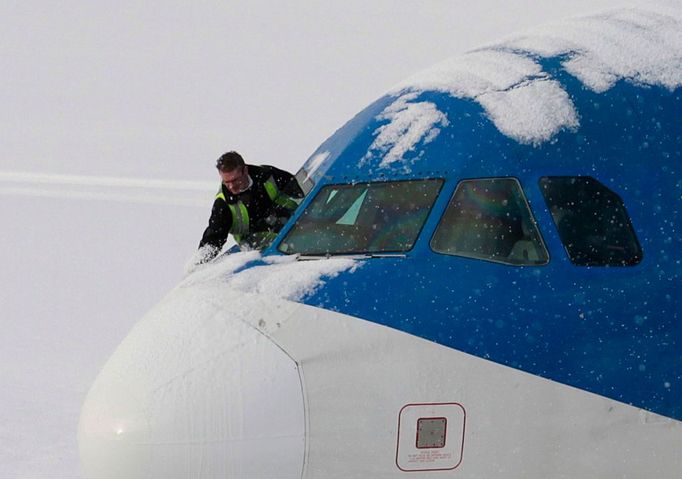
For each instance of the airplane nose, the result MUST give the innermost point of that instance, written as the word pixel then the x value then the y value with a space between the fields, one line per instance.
pixel 195 391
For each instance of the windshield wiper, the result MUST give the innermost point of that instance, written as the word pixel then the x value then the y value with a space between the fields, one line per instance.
pixel 307 257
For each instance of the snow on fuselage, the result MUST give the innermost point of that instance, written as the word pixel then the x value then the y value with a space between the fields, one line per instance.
pixel 499 349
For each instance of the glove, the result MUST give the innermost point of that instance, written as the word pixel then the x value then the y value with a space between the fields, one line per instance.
pixel 200 257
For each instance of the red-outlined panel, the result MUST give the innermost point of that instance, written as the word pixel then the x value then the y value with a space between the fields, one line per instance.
pixel 412 458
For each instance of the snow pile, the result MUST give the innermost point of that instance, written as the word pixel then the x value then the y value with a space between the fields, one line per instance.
pixel 273 276
pixel 476 73
pixel 286 277
pixel 638 45
pixel 409 124
pixel 531 113
pixel 523 101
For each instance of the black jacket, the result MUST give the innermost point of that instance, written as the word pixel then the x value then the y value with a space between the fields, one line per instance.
pixel 264 214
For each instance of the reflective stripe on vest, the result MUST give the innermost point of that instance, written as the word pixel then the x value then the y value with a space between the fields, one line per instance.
pixel 240 218
pixel 240 215
pixel 277 196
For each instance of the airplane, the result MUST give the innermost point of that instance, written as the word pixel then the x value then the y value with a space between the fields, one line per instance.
pixel 482 282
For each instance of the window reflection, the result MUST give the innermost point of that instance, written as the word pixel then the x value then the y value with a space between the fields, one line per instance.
pixel 490 219
pixel 363 218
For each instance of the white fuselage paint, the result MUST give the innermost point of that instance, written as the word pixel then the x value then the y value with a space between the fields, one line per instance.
pixel 219 383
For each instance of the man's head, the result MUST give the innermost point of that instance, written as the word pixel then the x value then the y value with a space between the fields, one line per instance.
pixel 233 172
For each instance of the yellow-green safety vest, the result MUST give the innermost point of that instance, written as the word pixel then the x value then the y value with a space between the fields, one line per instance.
pixel 240 215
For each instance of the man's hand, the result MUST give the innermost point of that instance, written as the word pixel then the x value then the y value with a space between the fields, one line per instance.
pixel 200 257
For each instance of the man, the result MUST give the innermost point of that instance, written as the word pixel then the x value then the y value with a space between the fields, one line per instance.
pixel 253 204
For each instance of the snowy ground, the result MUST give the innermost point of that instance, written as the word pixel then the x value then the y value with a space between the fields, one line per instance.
pixel 157 91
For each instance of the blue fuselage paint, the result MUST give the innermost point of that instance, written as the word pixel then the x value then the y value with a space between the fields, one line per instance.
pixel 613 331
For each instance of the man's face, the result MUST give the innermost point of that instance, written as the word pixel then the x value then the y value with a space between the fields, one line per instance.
pixel 236 180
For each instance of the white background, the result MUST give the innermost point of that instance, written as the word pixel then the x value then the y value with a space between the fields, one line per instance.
pixel 158 90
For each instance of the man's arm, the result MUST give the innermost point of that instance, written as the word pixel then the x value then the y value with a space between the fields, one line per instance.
pixel 219 225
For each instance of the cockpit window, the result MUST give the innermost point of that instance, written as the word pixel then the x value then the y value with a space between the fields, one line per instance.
pixel 592 221
pixel 490 219
pixel 363 218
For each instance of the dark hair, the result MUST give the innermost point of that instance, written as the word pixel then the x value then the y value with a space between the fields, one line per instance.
pixel 229 161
